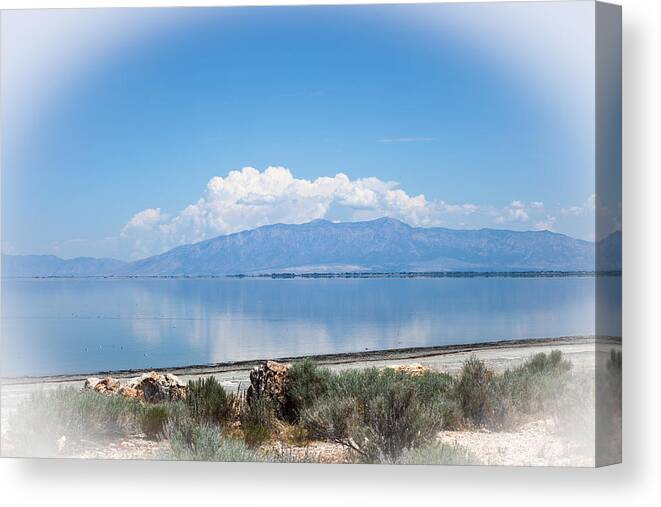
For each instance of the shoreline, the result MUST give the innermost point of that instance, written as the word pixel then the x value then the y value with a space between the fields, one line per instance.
pixel 338 275
pixel 363 358
pixel 583 351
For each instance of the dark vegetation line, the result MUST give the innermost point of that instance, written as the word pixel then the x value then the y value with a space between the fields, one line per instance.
pixel 359 274
pixel 439 274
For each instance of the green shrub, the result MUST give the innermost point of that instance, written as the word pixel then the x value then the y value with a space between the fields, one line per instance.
pixel 332 418
pixel 432 386
pixel 392 422
pixel 498 401
pixel 547 363
pixel 153 419
pixel 257 420
pixel 208 401
pixel 260 412
pixel 438 454
pixel 306 383
pixel 475 392
pixel 376 414
pixel 436 390
pixel 193 441
pixel 538 385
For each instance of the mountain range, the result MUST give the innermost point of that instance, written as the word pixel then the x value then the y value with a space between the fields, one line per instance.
pixel 320 246
pixel 51 265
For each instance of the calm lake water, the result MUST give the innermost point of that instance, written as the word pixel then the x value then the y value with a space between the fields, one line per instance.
pixel 57 326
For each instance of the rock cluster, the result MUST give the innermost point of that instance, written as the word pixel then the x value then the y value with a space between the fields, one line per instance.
pixel 154 387
pixel 151 387
pixel 106 385
pixel 269 379
pixel 409 369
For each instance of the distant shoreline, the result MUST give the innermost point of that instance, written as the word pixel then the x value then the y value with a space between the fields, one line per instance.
pixel 366 356
pixel 357 274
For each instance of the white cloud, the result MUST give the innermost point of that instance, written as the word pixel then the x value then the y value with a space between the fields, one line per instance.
pixel 547 224
pixel 249 198
pixel 515 212
pixel 145 220
pixel 584 209
pixel 467 209
pixel 533 214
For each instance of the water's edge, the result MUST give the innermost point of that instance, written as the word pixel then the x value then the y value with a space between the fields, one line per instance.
pixel 326 359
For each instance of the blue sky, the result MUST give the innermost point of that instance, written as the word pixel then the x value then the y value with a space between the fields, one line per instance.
pixel 126 132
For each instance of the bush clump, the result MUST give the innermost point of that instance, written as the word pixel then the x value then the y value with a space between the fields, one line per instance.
pixel 306 383
pixel 376 414
pixel 257 420
pixel 432 386
pixel 542 363
pixel 475 392
pixel 498 401
pixel 194 441
pixel 208 401
pixel 154 419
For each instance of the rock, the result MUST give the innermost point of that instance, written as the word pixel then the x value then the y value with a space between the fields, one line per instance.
pixel 107 385
pixel 154 387
pixel 268 379
pixel 130 392
pixel 151 387
pixel 410 369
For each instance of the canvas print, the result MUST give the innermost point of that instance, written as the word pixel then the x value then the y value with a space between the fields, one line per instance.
pixel 319 234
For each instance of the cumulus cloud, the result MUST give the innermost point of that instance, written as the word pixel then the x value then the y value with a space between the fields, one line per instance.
pixel 145 220
pixel 249 198
pixel 547 224
pixel 516 211
pixel 584 209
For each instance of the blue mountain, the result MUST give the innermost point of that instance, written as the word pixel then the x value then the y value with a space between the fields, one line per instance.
pixel 379 245
pixel 51 265
pixel 382 245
